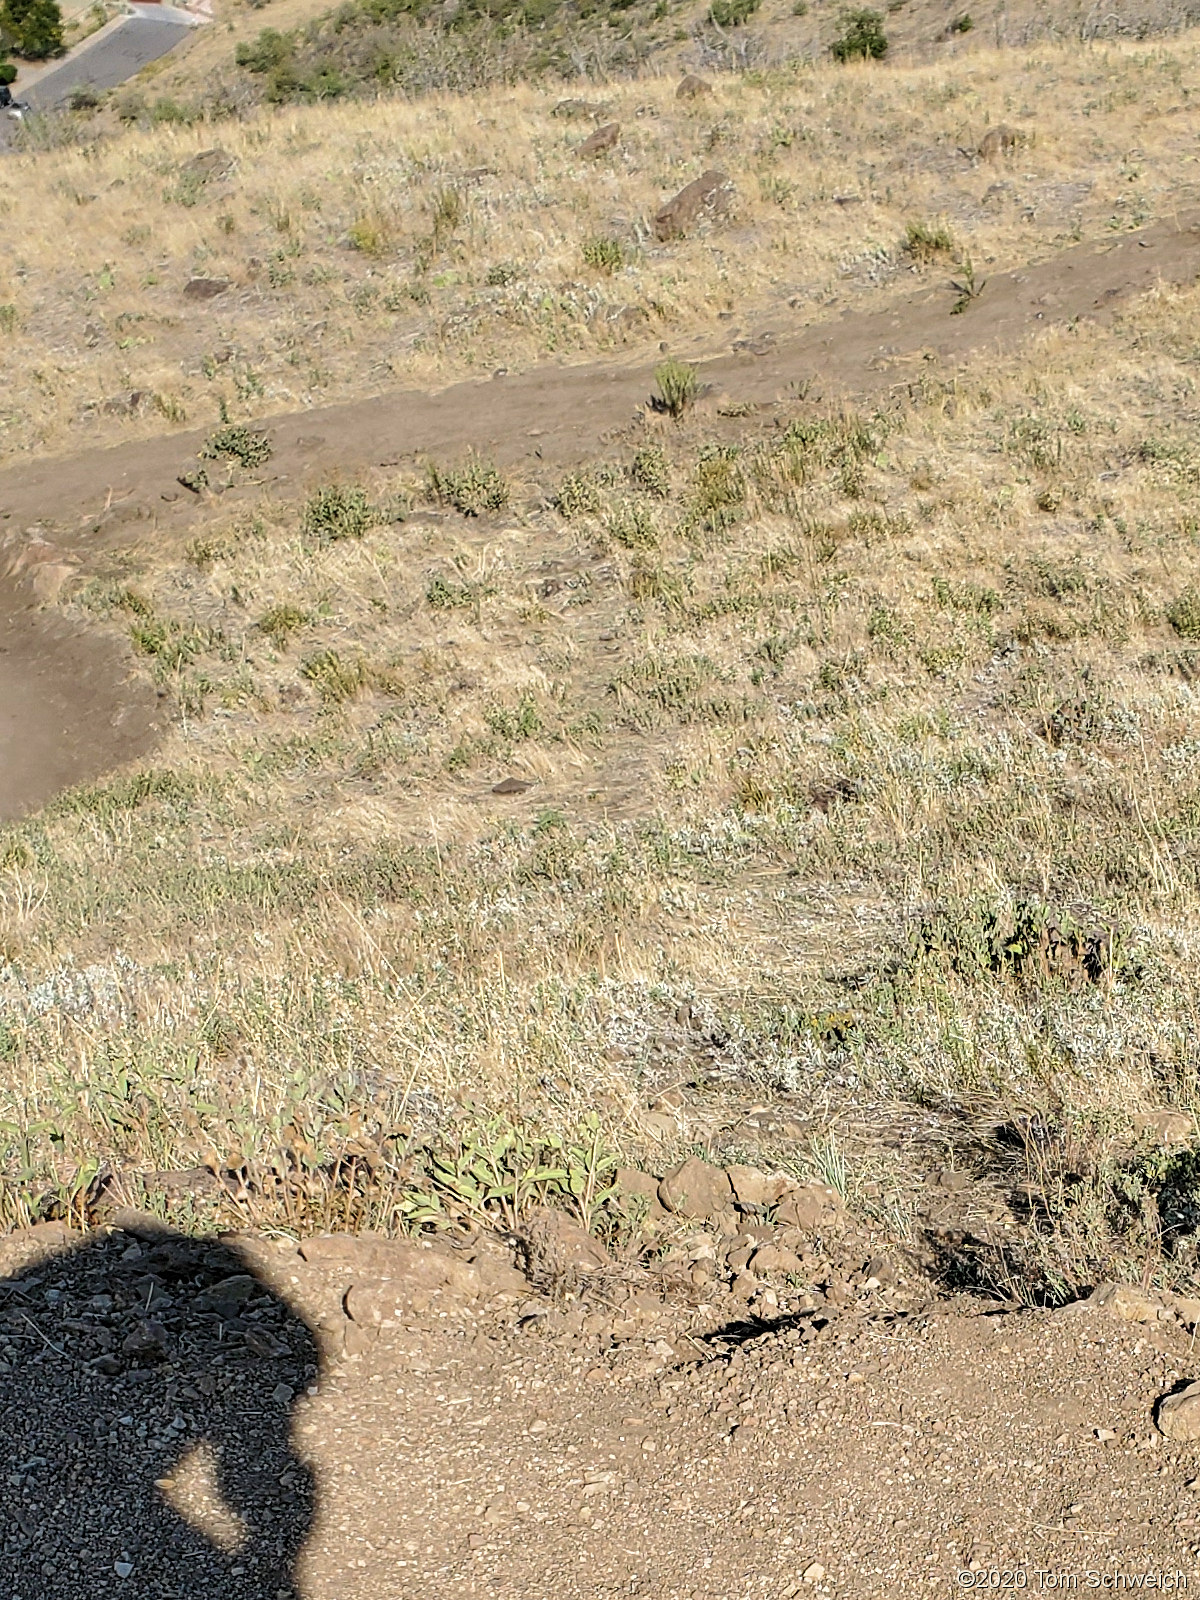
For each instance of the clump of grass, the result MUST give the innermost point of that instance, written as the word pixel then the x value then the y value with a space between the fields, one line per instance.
pixel 926 242
pixel 650 471
pixel 1184 613
pixel 732 13
pixel 471 489
pixel 578 495
pixel 336 680
pixel 605 255
pixel 338 511
pixel 677 385
pixel 249 447
pixel 281 622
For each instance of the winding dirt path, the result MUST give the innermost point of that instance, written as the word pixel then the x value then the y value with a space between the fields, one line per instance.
pixel 53 731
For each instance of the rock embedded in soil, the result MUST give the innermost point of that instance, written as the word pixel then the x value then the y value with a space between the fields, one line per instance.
pixel 695 1190
pixel 603 139
pixel 1179 1414
pixel 208 165
pixel 997 142
pixel 706 198
pixel 754 1188
pixel 812 1206
pixel 204 288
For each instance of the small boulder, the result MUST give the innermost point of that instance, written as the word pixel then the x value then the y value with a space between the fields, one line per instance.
pixel 812 1206
pixel 1178 1415
pixel 208 165
pixel 997 142
pixel 707 197
pixel 754 1188
pixel 770 1260
pixel 1128 1303
pixel 692 88
pixel 1166 1128
pixel 204 288
pixel 695 1190
pixel 603 139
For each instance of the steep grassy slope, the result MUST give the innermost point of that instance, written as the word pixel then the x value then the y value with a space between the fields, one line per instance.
pixel 862 779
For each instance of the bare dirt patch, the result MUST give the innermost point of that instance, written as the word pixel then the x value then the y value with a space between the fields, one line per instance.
pixel 71 704
pixel 623 1436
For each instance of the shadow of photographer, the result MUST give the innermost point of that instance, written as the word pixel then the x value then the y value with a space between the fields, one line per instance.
pixel 146 1390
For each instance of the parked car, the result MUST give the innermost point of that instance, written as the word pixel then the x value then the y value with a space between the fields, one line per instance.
pixel 10 106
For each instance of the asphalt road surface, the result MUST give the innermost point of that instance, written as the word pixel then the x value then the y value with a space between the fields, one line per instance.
pixel 110 61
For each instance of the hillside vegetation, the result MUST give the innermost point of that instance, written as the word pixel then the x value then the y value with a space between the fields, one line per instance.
pixel 854 812
pixel 357 247
pixel 867 742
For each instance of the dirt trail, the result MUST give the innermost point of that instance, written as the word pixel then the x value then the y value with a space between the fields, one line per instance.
pixel 554 413
pixel 386 1431
pixel 70 707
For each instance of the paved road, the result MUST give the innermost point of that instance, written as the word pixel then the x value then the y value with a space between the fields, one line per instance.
pixel 111 60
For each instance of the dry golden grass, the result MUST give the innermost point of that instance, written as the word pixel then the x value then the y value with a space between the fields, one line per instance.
pixel 393 243
pixel 815 723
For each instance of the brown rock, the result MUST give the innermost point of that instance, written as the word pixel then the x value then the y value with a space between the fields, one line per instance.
pixel 603 139
pixel 1179 1414
pixel 25 1248
pixel 695 1190
pixel 997 142
pixel 1165 1127
pixel 813 1205
pixel 754 1188
pixel 1128 1303
pixel 692 88
pixel 204 288
pixel 559 1244
pixel 707 197
pixel 208 165
pixel 770 1259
